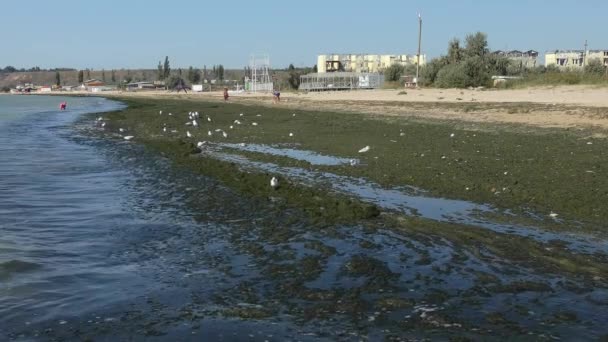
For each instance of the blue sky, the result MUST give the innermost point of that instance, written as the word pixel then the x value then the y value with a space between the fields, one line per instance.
pixel 138 33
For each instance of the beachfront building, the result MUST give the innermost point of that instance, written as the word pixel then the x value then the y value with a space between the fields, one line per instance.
pixel 340 80
pixel 523 59
pixel 363 63
pixel 141 86
pixel 574 59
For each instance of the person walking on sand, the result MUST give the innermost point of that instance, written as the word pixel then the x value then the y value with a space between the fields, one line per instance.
pixel 226 94
pixel 276 96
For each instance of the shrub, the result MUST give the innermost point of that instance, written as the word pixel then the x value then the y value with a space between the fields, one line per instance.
pixel 595 66
pixel 430 71
pixel 393 73
pixel 452 76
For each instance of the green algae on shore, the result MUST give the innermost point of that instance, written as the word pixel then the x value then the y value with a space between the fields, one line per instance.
pixel 322 253
pixel 543 171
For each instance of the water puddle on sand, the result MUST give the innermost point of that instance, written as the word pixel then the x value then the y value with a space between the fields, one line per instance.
pixel 411 201
pixel 309 156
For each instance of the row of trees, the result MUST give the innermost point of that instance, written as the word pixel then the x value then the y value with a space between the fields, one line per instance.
pixel 472 65
pixel 9 69
pixel 193 75
pixel 87 73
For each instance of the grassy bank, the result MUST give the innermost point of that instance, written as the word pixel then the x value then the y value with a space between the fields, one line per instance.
pixel 541 171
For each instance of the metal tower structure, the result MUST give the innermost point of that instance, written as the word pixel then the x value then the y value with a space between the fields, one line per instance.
pixel 259 78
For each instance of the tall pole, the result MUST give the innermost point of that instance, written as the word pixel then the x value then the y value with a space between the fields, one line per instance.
pixel 419 44
pixel 585 56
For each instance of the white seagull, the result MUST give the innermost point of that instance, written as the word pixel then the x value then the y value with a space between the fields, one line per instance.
pixel 160 112
pixel 363 150
pixel 129 137
pixel 188 134
pixel 254 123
pixel 194 123
pixel 209 133
pixel 237 122
pixel 274 182
pixel 165 129
pixel 225 134
pixel 209 119
pixel 121 130
pixel 290 134
pixel 201 144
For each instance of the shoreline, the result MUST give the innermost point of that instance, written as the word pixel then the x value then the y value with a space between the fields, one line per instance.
pixel 569 107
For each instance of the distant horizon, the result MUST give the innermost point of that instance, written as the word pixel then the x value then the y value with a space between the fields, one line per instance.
pixel 61 33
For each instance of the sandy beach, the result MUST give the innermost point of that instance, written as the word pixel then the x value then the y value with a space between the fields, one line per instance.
pixel 564 106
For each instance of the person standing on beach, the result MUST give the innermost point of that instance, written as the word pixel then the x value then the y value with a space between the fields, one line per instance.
pixel 226 94
pixel 276 96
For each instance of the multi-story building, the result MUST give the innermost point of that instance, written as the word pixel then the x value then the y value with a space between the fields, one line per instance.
pixel 363 63
pixel 525 59
pixel 574 59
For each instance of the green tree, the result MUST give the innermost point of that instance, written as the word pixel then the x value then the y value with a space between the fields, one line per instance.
pixel 220 72
pixel 80 76
pixel 476 71
pixel 452 76
pixel 197 77
pixel 160 73
pixel 113 76
pixel 294 77
pixel 205 73
pixel 57 79
pixel 88 74
pixel 190 75
pixel 103 75
pixel 393 73
pixel 430 71
pixel 166 68
pixel 314 69
pixel 454 51
pixel 476 45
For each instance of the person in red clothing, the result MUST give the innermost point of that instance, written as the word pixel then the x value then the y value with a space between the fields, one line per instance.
pixel 63 105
